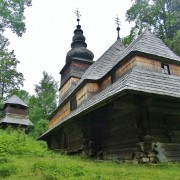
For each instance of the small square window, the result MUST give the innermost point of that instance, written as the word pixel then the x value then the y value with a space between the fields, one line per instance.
pixel 165 68
pixel 73 103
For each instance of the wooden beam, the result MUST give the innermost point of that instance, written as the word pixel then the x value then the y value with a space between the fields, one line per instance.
pixel 164 110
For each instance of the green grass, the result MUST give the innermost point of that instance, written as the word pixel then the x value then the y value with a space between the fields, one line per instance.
pixel 23 158
pixel 56 166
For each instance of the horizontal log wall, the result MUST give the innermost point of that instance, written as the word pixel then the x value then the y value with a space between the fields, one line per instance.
pixel 67 86
pixel 62 113
pixel 165 128
pixel 17 110
pixel 68 138
pixel 86 91
pixel 147 64
pixel 75 136
pixel 120 136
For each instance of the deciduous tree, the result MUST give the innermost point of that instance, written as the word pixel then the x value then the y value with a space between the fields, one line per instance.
pixel 10 78
pixel 162 15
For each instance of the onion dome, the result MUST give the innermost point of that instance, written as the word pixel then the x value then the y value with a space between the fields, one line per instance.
pixel 79 47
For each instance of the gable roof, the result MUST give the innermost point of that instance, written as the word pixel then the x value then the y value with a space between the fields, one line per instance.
pixel 15 100
pixel 142 81
pixel 147 44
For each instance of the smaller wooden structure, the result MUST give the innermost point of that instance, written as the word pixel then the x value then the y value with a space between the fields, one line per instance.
pixel 15 114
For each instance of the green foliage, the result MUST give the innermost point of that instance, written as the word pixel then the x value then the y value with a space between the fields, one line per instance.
pixel 22 94
pixel 18 143
pixel 21 157
pixel 7 170
pixel 51 170
pixel 162 15
pixel 175 43
pixel 43 103
pixel 40 127
pixel 10 78
pixel 12 15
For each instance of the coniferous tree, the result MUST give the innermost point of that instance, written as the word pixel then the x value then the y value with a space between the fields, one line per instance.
pixel 43 103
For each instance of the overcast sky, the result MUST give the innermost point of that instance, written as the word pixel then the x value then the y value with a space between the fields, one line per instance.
pixel 50 25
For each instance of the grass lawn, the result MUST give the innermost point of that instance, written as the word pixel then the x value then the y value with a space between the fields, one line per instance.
pixel 67 167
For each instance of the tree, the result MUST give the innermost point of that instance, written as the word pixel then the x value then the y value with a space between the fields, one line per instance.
pixel 12 15
pixel 43 103
pixel 10 78
pixel 162 15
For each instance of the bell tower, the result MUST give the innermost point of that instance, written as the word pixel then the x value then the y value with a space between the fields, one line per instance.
pixel 78 60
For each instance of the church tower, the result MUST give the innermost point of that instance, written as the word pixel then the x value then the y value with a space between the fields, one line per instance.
pixel 78 60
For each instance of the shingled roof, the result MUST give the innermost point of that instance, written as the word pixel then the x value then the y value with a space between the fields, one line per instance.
pixel 138 80
pixel 16 119
pixel 147 43
pixel 100 67
pixel 15 100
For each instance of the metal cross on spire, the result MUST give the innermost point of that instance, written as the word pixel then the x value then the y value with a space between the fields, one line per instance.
pixel 77 13
pixel 118 24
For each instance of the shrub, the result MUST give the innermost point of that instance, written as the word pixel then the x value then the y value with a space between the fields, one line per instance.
pixel 7 170
pixel 16 142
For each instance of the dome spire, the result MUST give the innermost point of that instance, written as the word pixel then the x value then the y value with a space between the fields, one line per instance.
pixel 77 13
pixel 78 46
pixel 118 28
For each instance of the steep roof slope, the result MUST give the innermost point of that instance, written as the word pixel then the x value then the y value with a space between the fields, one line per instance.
pixel 15 100
pixel 147 43
pixel 135 80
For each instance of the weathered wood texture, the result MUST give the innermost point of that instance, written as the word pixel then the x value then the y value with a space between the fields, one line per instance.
pixel 148 64
pixel 74 69
pixel 106 82
pixel 87 91
pixel 62 113
pixel 120 135
pixel 82 95
pixel 68 138
pixel 16 110
pixel 67 85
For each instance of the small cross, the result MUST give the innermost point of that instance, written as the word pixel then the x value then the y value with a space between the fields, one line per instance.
pixel 77 13
pixel 118 24
pixel 117 21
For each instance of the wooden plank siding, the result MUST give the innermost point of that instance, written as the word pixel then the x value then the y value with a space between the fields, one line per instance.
pixel 62 113
pixel 15 110
pixel 147 64
pixel 67 85
pixel 83 94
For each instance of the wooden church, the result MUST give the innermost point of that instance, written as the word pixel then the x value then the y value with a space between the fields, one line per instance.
pixel 15 114
pixel 124 105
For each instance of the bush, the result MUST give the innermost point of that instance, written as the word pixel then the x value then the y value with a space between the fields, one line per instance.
pixel 52 170
pixel 16 142
pixel 7 170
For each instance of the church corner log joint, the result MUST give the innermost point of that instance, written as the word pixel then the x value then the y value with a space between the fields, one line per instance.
pixel 124 105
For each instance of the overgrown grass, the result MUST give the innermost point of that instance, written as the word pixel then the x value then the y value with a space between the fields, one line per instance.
pixel 40 164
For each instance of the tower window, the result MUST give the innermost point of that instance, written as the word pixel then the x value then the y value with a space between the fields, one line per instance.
pixel 73 103
pixel 165 68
